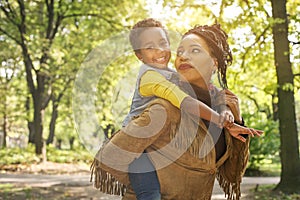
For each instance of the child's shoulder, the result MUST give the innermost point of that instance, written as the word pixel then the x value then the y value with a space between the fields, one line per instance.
pixel 144 68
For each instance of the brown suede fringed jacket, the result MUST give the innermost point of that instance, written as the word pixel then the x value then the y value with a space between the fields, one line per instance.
pixel 181 148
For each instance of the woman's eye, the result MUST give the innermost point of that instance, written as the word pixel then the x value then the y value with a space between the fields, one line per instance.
pixel 195 50
pixel 179 53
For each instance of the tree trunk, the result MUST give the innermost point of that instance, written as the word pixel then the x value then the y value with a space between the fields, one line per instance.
pixel 71 141
pixel 38 124
pixel 30 124
pixel 5 119
pixel 5 124
pixel 58 144
pixel 31 132
pixel 54 116
pixel 37 93
pixel 290 163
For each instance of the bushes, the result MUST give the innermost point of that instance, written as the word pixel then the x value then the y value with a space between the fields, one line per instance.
pixel 27 155
pixel 18 155
pixel 68 156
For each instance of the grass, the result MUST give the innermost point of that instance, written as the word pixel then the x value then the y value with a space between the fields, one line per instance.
pixel 6 187
pixel 265 192
pixel 10 191
pixel 266 169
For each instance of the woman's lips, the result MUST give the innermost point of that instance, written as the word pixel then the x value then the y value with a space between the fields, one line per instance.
pixel 184 66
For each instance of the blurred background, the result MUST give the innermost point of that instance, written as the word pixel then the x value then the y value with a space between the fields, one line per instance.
pixel 44 44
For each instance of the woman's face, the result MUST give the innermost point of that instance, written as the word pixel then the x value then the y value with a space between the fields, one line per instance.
pixel 193 61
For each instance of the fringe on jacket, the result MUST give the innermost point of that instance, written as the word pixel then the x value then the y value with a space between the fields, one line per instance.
pixel 229 174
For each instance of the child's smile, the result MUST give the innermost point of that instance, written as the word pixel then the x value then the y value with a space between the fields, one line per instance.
pixel 154 48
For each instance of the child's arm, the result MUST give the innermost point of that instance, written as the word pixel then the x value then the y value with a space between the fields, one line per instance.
pixel 153 83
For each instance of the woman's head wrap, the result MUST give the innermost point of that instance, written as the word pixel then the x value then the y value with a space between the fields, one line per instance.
pixel 216 39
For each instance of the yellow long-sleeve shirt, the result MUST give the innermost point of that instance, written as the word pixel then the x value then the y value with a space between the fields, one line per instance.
pixel 153 83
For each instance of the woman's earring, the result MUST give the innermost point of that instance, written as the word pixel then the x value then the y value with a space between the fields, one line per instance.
pixel 216 64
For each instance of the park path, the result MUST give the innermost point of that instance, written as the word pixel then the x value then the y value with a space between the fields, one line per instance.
pixel 83 181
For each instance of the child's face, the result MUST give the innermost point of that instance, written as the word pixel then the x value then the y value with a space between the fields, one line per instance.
pixel 155 48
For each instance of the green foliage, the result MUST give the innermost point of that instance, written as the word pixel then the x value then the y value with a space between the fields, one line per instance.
pixel 266 147
pixel 28 156
pixel 18 155
pixel 57 46
pixel 6 187
pixel 68 156
pixel 87 24
pixel 287 87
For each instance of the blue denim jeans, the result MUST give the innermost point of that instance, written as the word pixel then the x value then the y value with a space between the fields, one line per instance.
pixel 143 179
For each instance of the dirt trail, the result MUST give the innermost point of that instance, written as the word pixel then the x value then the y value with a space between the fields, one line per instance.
pixel 66 182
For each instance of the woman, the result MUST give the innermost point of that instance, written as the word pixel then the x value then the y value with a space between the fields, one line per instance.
pixel 188 153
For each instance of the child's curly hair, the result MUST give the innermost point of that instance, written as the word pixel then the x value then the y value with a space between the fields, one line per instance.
pixel 140 27
pixel 216 39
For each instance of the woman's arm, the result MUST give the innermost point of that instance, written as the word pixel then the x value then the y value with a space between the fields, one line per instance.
pixel 228 100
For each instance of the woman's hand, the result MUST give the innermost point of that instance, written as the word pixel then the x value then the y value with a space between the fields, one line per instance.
pixel 236 131
pixel 230 100
pixel 226 119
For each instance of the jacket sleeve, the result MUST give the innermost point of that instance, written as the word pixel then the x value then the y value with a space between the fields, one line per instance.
pixel 230 173
pixel 227 98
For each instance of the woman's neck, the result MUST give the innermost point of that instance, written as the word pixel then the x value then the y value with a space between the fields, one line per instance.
pixel 202 84
pixel 200 93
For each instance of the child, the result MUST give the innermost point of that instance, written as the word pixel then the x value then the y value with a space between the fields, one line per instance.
pixel 151 45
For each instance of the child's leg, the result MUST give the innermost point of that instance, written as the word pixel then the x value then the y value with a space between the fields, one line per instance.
pixel 143 179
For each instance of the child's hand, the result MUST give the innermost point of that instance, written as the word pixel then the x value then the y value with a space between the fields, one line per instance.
pixel 226 119
pixel 236 130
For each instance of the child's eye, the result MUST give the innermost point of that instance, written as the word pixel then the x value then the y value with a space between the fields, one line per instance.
pixel 150 47
pixel 164 44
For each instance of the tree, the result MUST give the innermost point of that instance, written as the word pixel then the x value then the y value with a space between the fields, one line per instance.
pixel 290 161
pixel 35 26
pixel 11 90
pixel 5 79
pixel 20 20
